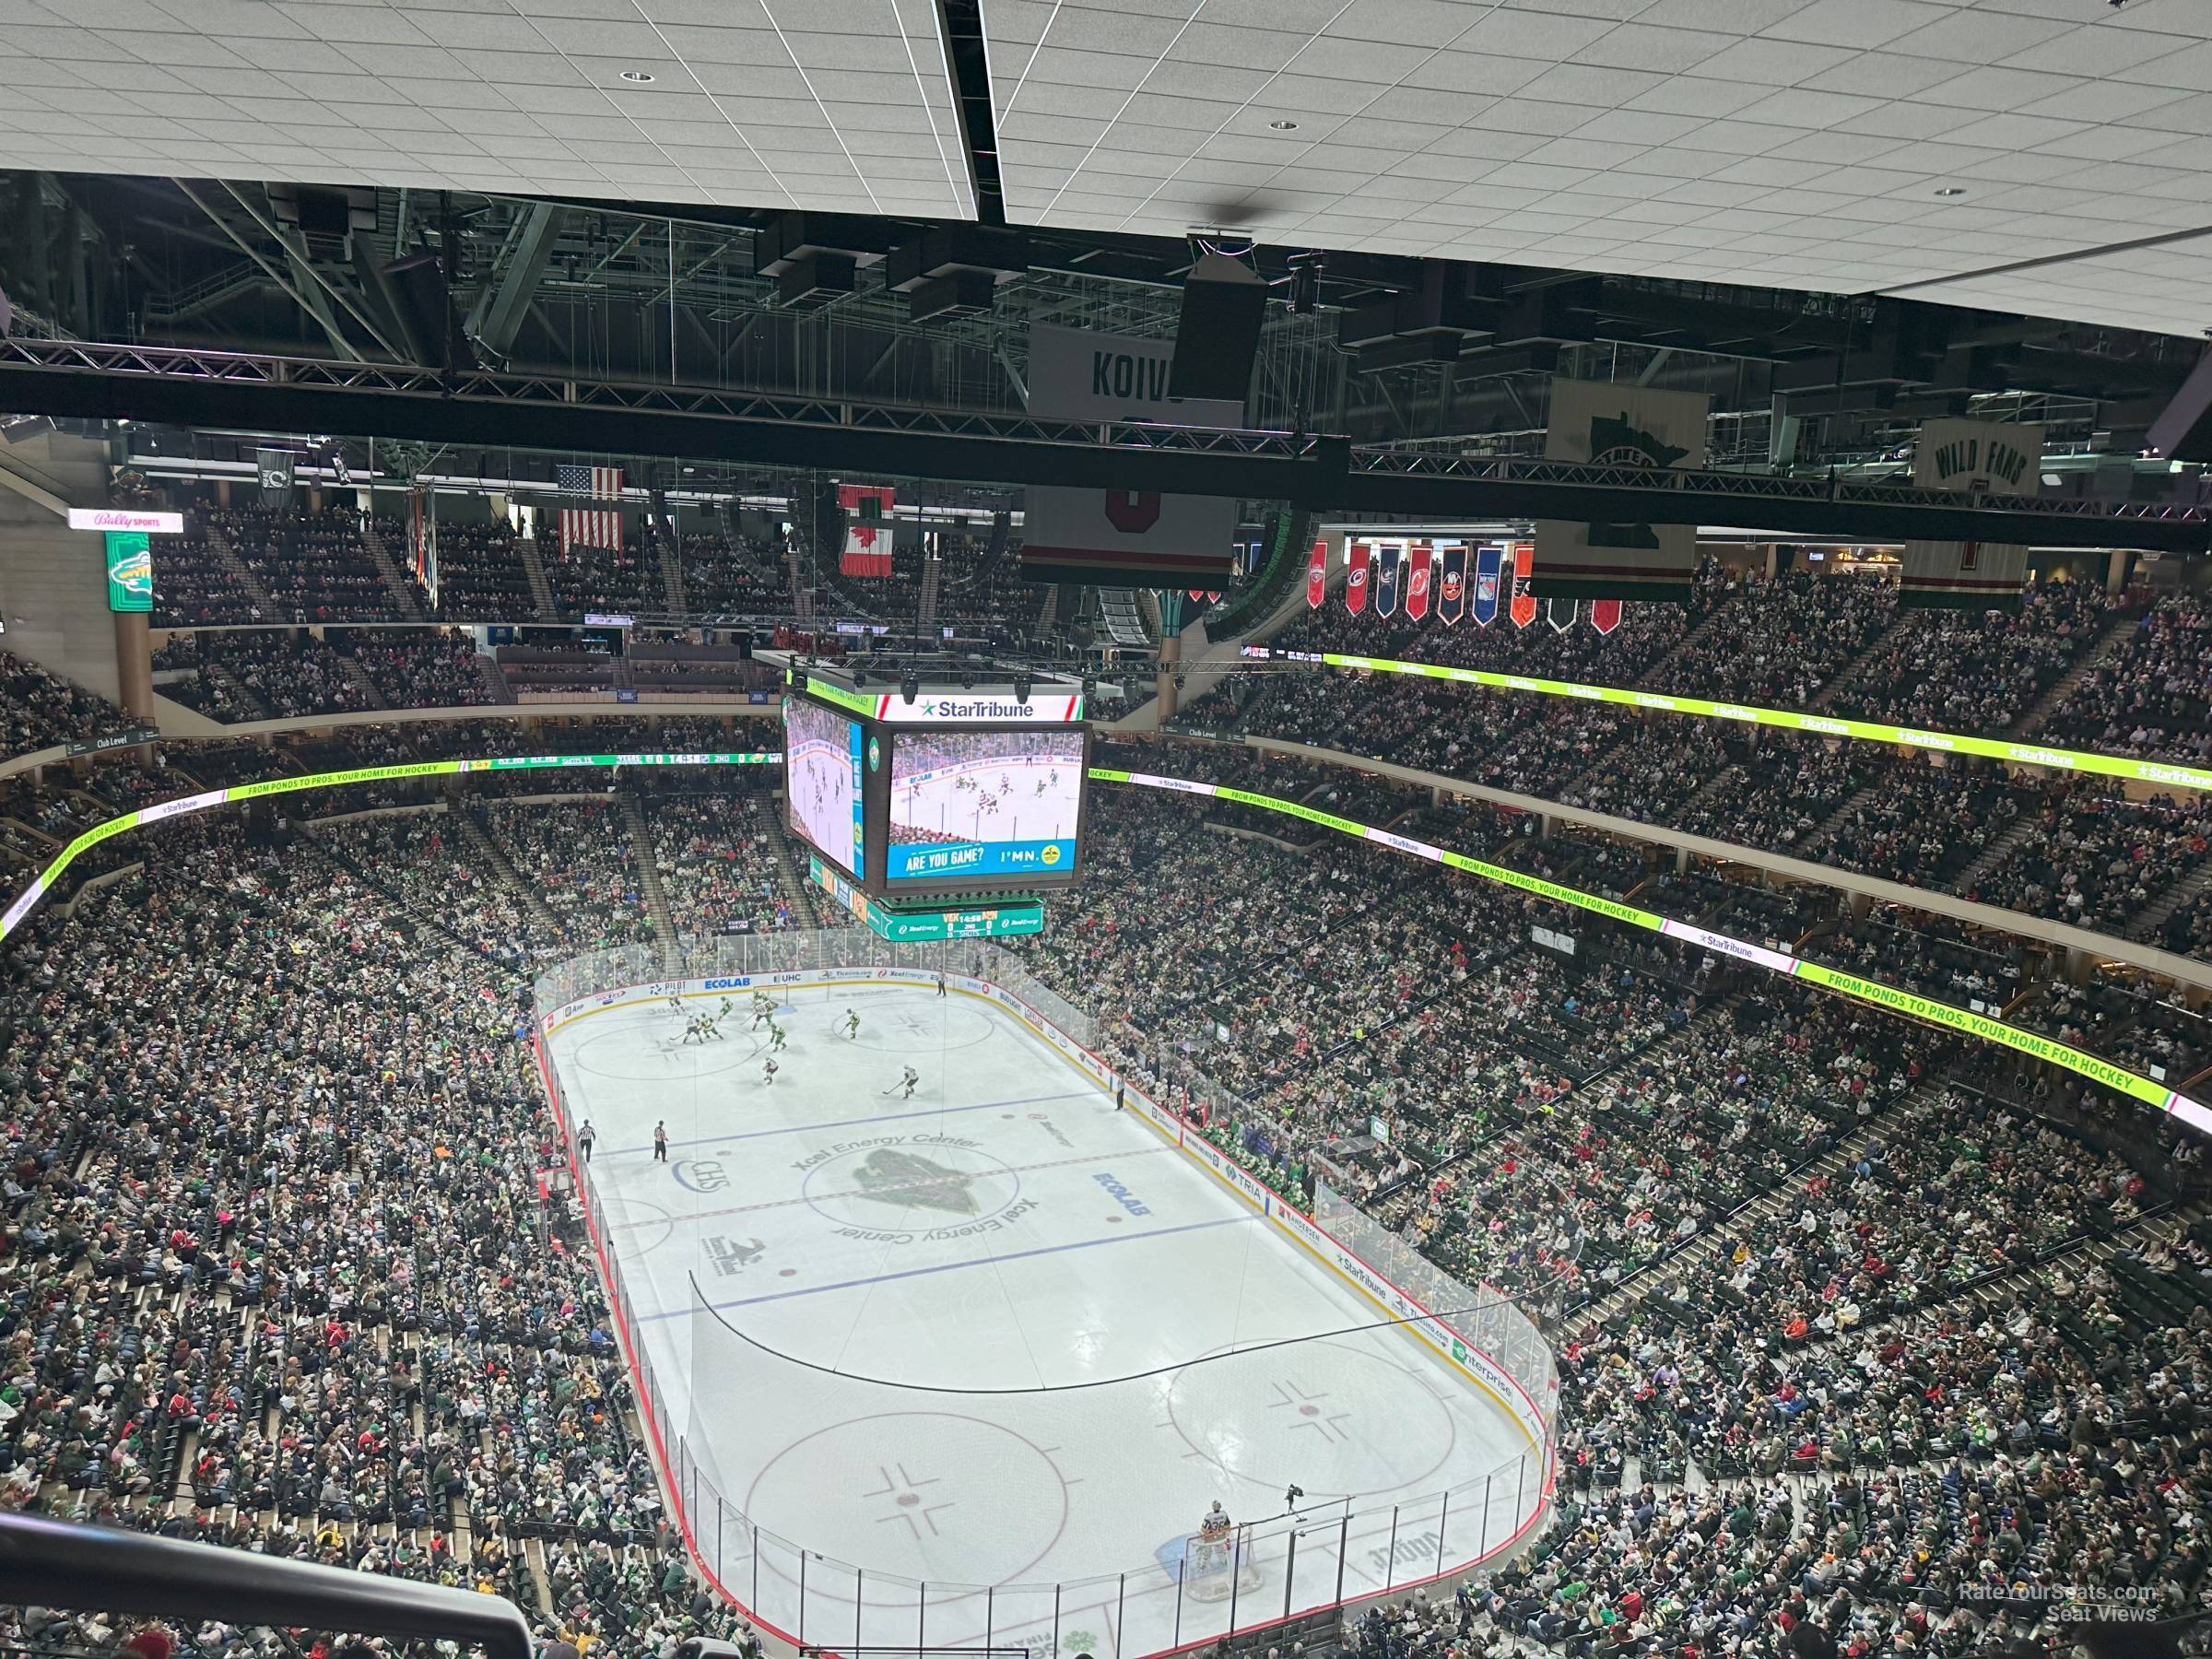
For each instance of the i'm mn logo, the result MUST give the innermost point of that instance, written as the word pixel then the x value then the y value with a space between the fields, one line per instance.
pixel 913 1182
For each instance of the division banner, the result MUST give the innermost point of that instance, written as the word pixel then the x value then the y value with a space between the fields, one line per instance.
pixel 1355 577
pixel 1975 458
pixel 1417 581
pixel 1603 425
pixel 1451 592
pixel 1317 574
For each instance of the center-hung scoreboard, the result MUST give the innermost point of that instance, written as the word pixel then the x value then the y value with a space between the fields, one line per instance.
pixel 935 812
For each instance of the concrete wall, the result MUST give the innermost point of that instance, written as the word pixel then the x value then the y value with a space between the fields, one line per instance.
pixel 53 582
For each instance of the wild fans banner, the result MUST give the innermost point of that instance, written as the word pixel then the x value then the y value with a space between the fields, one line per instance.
pixel 1118 537
pixel 274 469
pixel 1317 574
pixel 1521 606
pixel 1451 592
pixel 867 507
pixel 1976 458
pixel 1355 577
pixel 1417 581
pixel 1619 426
pixel 1386 577
pixel 1488 567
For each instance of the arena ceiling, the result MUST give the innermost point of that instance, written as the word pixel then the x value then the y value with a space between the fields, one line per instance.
pixel 2051 157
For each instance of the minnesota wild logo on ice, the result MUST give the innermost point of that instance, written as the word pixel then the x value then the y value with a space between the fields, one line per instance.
pixel 913 1182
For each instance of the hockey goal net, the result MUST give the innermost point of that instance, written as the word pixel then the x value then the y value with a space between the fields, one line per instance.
pixel 1217 1565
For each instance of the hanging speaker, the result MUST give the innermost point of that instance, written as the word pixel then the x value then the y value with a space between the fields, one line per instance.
pixel 1218 336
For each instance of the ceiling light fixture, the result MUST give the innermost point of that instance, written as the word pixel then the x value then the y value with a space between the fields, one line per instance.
pixel 1950 189
pixel 1284 126
pixel 638 77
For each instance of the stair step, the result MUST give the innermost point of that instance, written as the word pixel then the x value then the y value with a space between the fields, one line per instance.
pixel 541 590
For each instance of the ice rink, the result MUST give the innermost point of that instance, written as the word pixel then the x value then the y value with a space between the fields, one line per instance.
pixel 998 1335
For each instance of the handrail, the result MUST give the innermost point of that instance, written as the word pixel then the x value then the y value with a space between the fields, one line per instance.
pixel 58 1564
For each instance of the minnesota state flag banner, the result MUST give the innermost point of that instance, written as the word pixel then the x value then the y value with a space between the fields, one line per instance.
pixel 1624 426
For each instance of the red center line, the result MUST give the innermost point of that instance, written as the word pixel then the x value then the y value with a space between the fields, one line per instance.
pixel 1102 1156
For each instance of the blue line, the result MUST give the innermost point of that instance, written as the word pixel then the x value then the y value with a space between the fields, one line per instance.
pixel 989 1260
pixel 887 1117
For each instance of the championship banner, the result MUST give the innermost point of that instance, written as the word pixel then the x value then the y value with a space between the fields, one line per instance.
pixel 867 507
pixel 1976 458
pixel 1417 581
pixel 1355 577
pixel 1488 563
pixel 1521 606
pixel 1452 593
pixel 273 468
pixel 1317 574
pixel 1602 425
pixel 1605 615
pixel 1560 613
pixel 1386 577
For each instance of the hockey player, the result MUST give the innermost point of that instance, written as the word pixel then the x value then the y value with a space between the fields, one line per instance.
pixel 768 1070
pixel 908 1080
pixel 691 1029
pixel 707 1030
pixel 940 983
pixel 852 1026
pixel 775 1037
pixel 676 1003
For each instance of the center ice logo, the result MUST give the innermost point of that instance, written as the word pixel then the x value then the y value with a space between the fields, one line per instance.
pixel 912 1182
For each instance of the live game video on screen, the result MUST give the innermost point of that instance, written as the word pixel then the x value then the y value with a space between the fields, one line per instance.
pixel 823 782
pixel 966 805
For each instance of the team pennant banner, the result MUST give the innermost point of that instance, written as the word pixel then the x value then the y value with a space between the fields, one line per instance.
pixel 867 550
pixel 1417 581
pixel 1317 574
pixel 1386 577
pixel 1976 458
pixel 1601 424
pixel 1355 577
pixel 1605 615
pixel 1451 592
pixel 1523 604
pixel 1489 567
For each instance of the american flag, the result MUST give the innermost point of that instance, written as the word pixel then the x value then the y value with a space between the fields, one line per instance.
pixel 591 527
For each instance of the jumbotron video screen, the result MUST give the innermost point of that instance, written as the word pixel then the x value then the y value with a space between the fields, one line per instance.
pixel 983 804
pixel 822 774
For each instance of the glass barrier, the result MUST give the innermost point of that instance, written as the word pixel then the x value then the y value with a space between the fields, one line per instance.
pixel 735 1498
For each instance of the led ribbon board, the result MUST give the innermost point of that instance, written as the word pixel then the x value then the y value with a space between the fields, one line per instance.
pixel 13 916
pixel 2033 1043
pixel 2163 772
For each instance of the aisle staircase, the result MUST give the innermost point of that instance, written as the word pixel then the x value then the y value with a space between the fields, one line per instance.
pixel 649 880
pixel 403 593
pixel 1995 854
pixel 671 575
pixel 925 610
pixel 2146 923
pixel 1865 655
pixel 802 595
pixel 226 556
pixel 2118 630
pixel 541 591
pixel 478 834
pixel 370 697
pixel 488 670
